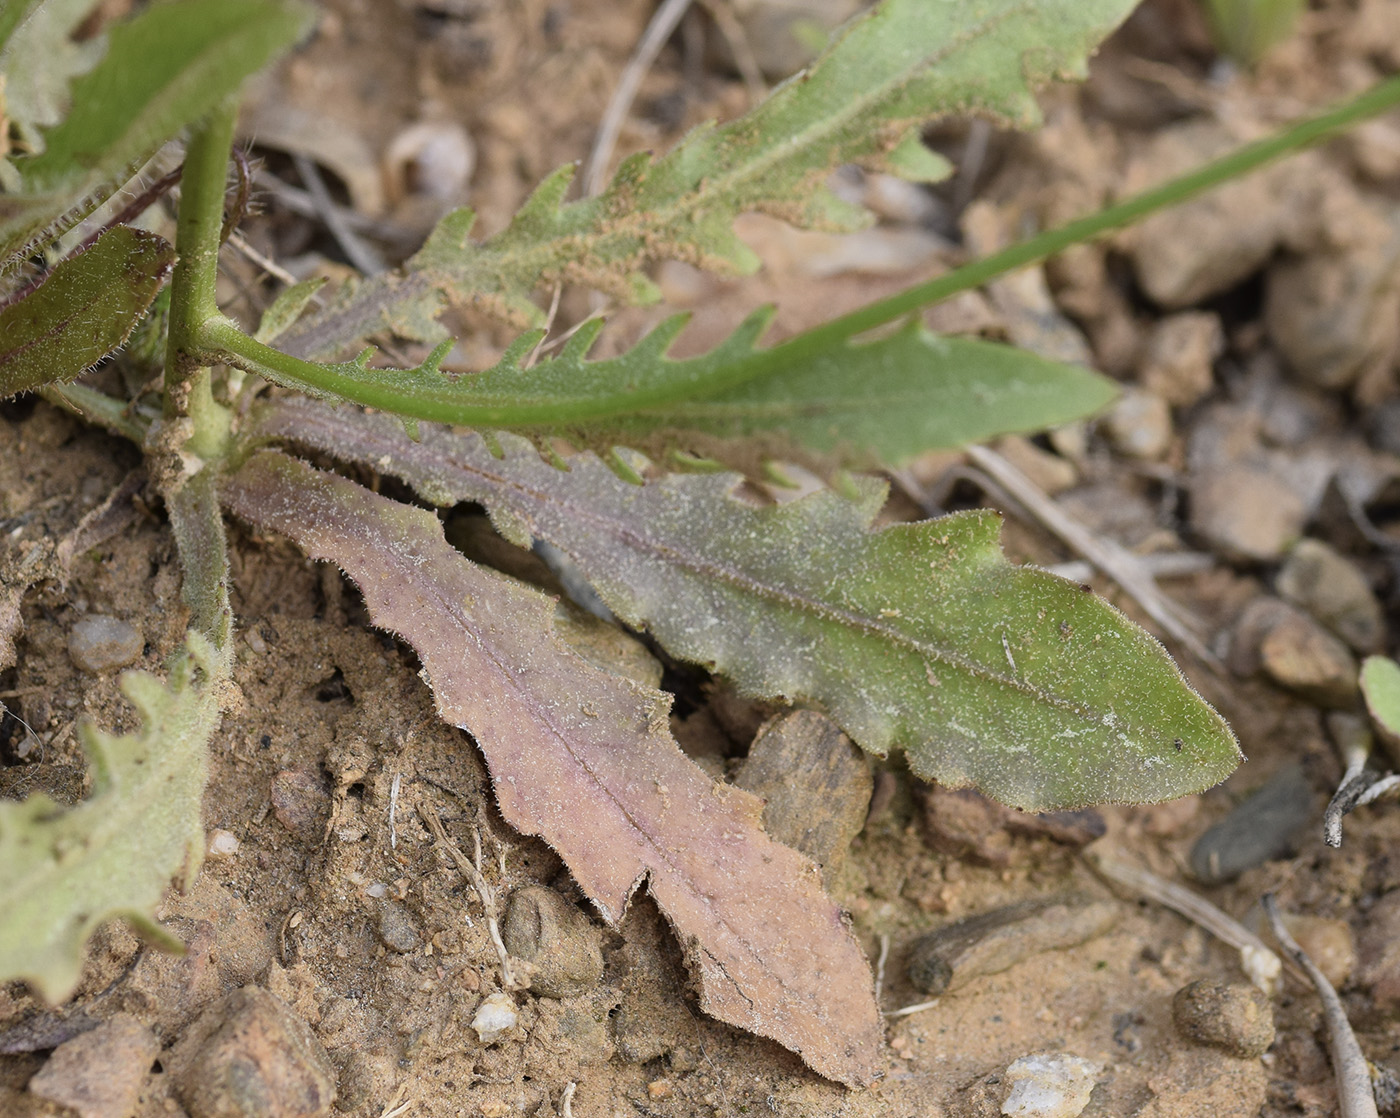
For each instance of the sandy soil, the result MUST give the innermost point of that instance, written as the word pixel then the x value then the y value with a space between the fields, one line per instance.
pixel 325 886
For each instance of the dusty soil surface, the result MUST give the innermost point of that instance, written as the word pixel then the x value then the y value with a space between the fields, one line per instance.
pixel 1256 334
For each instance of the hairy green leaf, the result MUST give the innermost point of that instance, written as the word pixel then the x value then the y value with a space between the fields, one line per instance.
pixel 585 759
pixel 39 58
pixel 901 65
pixel 83 310
pixel 64 870
pixel 920 636
pixel 168 66
pixel 892 397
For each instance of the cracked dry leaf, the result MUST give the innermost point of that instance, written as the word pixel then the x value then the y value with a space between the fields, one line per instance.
pixel 585 760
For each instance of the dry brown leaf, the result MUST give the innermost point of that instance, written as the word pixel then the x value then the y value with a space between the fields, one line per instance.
pixel 585 760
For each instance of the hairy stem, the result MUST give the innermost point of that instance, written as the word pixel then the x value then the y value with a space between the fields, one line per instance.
pixel 198 526
pixel 192 294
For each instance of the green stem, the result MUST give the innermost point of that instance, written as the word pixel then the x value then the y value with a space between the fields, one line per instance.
pixel 192 501
pixel 1035 249
pixel 198 527
pixel 193 287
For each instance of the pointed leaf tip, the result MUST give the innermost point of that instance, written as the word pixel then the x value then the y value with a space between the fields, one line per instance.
pixel 916 636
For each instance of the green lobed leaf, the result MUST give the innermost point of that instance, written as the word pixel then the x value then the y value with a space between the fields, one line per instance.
pixel 890 71
pixel 918 636
pixel 64 870
pixel 892 397
pixel 83 310
pixel 1380 684
pixel 39 58
pixel 164 68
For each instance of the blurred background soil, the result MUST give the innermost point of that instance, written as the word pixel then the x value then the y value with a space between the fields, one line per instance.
pixel 1256 333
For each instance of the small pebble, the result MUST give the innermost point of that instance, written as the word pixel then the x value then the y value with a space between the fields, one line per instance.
pixel 1179 357
pixel 556 938
pixel 432 157
pixel 1300 655
pixel 103 644
pixel 817 785
pixel 1201 1082
pixel 1258 618
pixel 99 1074
pixel 250 1056
pixel 1333 313
pixel 1262 827
pixel 301 802
pixel 1206 246
pixel 222 844
pixel 1050 1085
pixel 495 1018
pixel 1233 1016
pixel 952 956
pixel 1333 590
pixel 1246 512
pixel 396 929
pixel 1140 426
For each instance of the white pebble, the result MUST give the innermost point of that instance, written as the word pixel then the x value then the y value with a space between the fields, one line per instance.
pixel 222 844
pixel 495 1018
pixel 1049 1085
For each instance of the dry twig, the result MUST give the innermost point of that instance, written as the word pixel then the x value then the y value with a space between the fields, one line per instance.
pixel 1354 1096
pixel 471 870
pixel 667 17
pixel 1259 960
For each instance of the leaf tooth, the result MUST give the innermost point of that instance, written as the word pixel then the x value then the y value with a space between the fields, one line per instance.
pixel 450 235
pixel 432 365
pixel 577 347
pixel 747 334
pixel 654 345
pixel 631 173
pixel 544 202
pixel 520 349
pixel 912 159
pixel 628 465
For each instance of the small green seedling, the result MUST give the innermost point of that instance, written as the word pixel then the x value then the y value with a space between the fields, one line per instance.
pixel 918 637
pixel 1247 29
pixel 1361 784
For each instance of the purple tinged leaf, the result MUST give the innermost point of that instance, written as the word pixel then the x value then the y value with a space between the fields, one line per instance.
pixel 918 636
pixel 585 759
